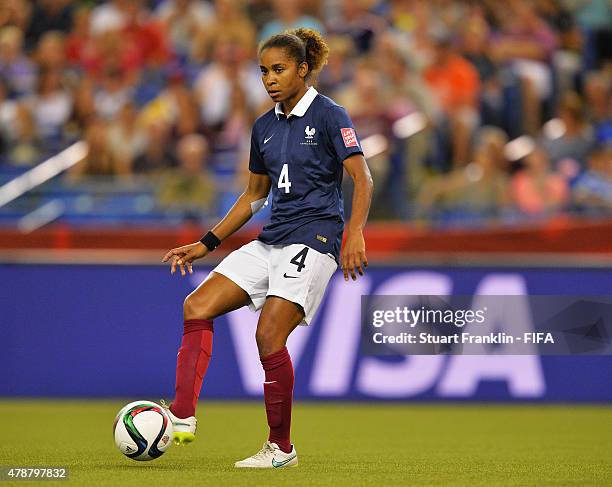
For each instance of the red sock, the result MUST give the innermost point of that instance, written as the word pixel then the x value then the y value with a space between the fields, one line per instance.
pixel 278 394
pixel 191 365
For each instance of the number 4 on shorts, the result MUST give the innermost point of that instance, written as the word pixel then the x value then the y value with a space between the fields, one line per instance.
pixel 299 259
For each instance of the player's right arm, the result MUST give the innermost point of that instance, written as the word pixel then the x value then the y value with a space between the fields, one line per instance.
pixel 249 202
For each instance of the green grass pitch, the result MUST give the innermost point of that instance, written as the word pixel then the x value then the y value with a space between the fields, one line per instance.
pixel 338 444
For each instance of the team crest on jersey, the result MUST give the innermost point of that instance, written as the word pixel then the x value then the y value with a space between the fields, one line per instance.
pixel 308 138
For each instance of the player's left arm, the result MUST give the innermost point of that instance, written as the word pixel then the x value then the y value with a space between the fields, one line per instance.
pixel 353 255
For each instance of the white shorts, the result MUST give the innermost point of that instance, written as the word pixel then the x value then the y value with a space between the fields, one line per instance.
pixel 295 272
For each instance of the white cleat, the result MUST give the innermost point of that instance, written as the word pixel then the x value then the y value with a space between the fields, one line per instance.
pixel 184 428
pixel 270 456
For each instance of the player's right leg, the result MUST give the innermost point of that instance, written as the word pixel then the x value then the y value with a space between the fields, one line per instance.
pixel 216 296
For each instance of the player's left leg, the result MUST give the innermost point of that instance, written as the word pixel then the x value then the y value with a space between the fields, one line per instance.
pixel 298 278
pixel 278 319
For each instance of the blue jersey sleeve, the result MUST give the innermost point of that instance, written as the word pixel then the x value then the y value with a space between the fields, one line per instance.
pixel 342 134
pixel 256 162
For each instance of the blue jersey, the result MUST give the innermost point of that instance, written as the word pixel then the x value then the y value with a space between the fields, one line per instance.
pixel 303 154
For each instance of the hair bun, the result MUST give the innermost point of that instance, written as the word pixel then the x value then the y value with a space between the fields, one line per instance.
pixel 317 50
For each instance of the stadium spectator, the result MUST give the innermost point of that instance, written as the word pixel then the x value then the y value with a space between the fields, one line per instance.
pixel 230 21
pixel 108 16
pixel 526 44
pixel 99 161
pixel 592 192
pixel 474 38
pixel 51 106
pixel 15 67
pixel 407 87
pixel 260 12
pixel 189 188
pixel 495 139
pixel 456 85
pixel 598 95
pixel 144 36
pixel 339 69
pixel 289 15
pixel 158 154
pixel 111 93
pixel 48 15
pixel 15 12
pixel 410 24
pixel 84 105
pixel 126 139
pixel 567 60
pixel 595 19
pixel 50 53
pixel 477 190
pixel 368 103
pixel 108 53
pixel 182 20
pixel 408 96
pixel 576 138
pixel 405 16
pixel 80 43
pixel 230 66
pixel 356 22
pixel 536 189
pixel 24 148
pixel 175 105
pixel 236 128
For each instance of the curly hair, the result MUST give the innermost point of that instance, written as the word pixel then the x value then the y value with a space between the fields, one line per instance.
pixel 302 45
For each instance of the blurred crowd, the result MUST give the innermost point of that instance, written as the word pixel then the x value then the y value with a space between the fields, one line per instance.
pixel 468 110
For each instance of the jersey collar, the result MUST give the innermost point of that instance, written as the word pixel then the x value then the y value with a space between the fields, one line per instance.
pixel 300 108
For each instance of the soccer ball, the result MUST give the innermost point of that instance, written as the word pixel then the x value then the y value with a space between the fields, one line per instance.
pixel 143 430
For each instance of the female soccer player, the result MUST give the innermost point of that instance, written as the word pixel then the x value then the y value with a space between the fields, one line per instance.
pixel 298 149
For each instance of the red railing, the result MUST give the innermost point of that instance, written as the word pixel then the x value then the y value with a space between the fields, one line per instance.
pixel 566 235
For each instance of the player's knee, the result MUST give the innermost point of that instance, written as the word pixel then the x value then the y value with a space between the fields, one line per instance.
pixel 261 337
pixel 196 308
pixel 267 340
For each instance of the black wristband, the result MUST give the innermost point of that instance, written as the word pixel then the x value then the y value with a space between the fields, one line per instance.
pixel 211 241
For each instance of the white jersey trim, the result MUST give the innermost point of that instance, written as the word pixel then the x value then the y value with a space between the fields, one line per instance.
pixel 301 107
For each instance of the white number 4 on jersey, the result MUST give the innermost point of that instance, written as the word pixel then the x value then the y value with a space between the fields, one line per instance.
pixel 283 181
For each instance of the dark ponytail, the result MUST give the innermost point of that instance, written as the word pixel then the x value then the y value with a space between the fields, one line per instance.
pixel 302 45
